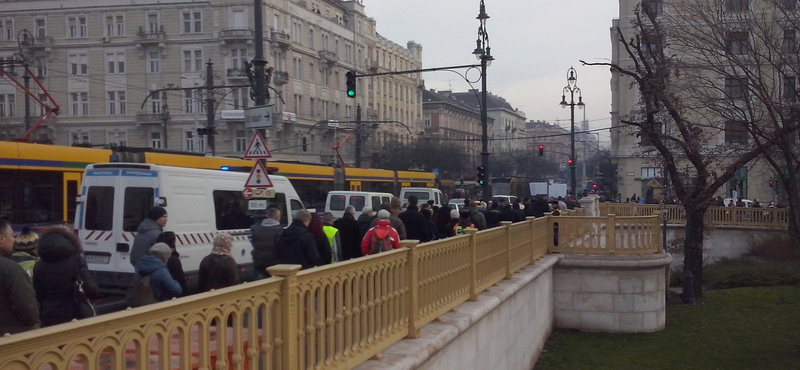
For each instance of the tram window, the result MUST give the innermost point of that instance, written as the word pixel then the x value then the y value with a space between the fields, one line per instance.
pixel 100 208
pixel 72 193
pixel 358 201
pixel 138 202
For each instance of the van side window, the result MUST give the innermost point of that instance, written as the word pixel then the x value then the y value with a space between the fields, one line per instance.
pixel 338 202
pixel 229 210
pixel 99 208
pixel 296 206
pixel 383 200
pixel 357 201
pixel 137 202
pixel 376 203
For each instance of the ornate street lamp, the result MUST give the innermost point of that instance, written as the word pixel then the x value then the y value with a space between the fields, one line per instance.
pixel 572 89
pixel 484 53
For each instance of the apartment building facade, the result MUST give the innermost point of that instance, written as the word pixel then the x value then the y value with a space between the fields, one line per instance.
pixel 447 121
pixel 639 170
pixel 106 64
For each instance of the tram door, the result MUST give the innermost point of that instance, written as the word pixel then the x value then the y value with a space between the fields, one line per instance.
pixel 72 182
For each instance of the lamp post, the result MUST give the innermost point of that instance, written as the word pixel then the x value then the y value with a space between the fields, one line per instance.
pixel 484 53
pixel 572 89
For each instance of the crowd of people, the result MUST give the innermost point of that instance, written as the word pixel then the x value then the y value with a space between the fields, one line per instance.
pixel 39 275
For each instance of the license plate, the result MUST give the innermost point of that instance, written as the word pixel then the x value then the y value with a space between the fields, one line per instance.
pixel 98 259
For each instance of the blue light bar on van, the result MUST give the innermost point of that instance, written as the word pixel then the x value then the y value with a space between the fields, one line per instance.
pixel 224 168
pixel 113 158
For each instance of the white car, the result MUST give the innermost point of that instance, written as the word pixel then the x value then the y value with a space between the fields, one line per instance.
pixel 508 199
pixel 747 202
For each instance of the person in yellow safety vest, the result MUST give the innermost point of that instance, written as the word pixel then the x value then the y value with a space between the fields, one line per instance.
pixel 464 222
pixel 333 236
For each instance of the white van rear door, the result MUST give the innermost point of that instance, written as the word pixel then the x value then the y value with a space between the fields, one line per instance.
pixel 115 201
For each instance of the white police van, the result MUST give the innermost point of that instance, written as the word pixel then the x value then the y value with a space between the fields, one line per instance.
pixel 338 200
pixel 115 197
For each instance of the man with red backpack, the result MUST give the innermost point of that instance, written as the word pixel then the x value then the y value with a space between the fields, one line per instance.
pixel 382 237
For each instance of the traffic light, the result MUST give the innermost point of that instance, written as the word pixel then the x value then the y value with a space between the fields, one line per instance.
pixel 594 186
pixel 541 150
pixel 351 84
pixel 569 161
pixel 305 145
pixel 772 183
pixel 481 175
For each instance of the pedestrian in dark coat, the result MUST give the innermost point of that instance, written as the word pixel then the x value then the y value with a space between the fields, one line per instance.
pixel 414 222
pixel 349 234
pixel 174 264
pixel 19 310
pixel 507 213
pixel 321 240
pixel 296 245
pixel 265 242
pixel 441 218
pixel 218 270
pixel 55 275
pixel 539 206
pixel 154 264
pixel 364 221
pixel 147 233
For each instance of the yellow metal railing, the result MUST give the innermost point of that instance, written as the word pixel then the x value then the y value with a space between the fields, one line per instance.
pixel 718 216
pixel 333 317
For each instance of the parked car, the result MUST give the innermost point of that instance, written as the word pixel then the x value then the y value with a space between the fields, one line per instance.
pixel 747 202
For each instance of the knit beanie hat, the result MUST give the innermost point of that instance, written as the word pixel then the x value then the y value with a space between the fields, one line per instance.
pixel 156 213
pixel 383 214
pixel 160 250
pixel 454 214
pixel 223 242
pixel 26 241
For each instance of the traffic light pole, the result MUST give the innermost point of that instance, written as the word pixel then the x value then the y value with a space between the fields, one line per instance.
pixel 358 136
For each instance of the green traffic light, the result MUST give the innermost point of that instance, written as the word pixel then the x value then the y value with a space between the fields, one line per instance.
pixel 351 93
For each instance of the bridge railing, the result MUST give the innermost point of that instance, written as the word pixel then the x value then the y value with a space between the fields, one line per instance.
pixel 718 216
pixel 332 317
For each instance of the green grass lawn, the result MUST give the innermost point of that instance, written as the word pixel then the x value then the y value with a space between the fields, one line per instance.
pixel 732 329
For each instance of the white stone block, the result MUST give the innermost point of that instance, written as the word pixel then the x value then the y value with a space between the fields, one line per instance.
pixel 593 302
pixel 563 300
pixel 630 284
pixel 623 303
pixel 651 283
pixel 566 282
pixel 630 322
pixel 600 321
pixel 649 320
pixel 597 283
pixel 648 302
pixel 566 319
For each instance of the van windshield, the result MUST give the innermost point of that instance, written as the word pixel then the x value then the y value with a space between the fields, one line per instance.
pixel 99 208
pixel 421 195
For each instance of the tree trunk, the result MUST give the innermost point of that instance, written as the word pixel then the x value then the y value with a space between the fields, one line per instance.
pixel 793 194
pixel 693 246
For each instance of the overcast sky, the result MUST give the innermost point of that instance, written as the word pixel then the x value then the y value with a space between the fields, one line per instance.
pixel 533 42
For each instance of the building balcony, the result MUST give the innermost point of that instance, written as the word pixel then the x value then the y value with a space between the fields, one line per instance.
pixel 237 74
pixel 372 65
pixel 328 57
pixel 150 38
pixel 231 35
pixel 281 39
pixel 149 117
pixel 280 77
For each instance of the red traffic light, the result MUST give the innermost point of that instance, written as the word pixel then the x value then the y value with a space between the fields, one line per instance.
pixel 569 161
pixel 541 150
pixel 594 186
pixel 771 183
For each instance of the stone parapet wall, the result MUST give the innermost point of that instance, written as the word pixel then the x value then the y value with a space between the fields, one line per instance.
pixel 506 328
pixel 616 294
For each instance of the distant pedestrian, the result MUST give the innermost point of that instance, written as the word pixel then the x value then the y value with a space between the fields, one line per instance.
pixel 333 236
pixel 55 276
pixel 174 264
pixel 25 245
pixel 154 265
pixel 475 215
pixel 349 234
pixel 19 310
pixel 363 221
pixel 265 242
pixel 218 270
pixel 323 245
pixel 507 213
pixel 426 213
pixel 147 233
pixel 381 237
pixel 414 222
pixel 296 245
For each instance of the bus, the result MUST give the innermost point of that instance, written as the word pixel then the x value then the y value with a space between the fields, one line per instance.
pixel 39 182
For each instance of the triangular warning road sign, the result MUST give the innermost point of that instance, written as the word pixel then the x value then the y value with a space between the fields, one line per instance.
pixel 258 177
pixel 257 148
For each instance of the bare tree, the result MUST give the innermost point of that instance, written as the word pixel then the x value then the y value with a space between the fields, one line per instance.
pixel 700 77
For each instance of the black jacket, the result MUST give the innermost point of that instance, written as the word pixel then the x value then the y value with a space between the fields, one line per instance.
pixel 54 277
pixel 350 236
pixel 175 268
pixel 415 225
pixel 296 246
pixel 265 245
pixel 539 207
pixel 509 214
